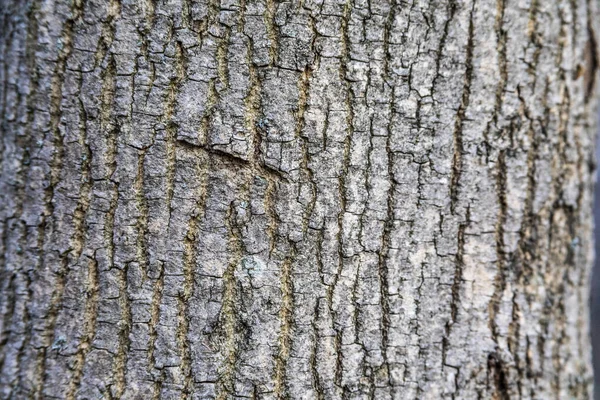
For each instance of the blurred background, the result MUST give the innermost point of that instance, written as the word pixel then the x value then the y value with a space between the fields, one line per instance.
pixel 595 286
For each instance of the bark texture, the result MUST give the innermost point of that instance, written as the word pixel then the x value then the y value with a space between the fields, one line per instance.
pixel 314 199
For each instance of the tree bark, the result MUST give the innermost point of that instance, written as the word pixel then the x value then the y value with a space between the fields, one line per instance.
pixel 306 200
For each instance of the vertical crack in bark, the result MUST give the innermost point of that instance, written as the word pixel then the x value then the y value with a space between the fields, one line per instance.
pixel 554 307
pixel 343 76
pixel 83 202
pixel 307 173
pixel 497 371
pixel 285 334
pixel 211 100
pixel 525 259
pixel 390 203
pixel 501 43
pixel 252 112
pixel 11 304
pixel 450 12
pixel 56 166
pixel 591 58
pixel 189 267
pixel 171 127
pixel 111 127
pixel 170 103
pixel 339 361
pixel 222 50
pixel 313 360
pixel 7 36
pixel 228 315
pixel 500 279
pixel 286 312
pixel 186 14
pixel 460 117
pixel 89 327
pixel 272 34
pixel 153 334
pixel 457 282
pixel 534 39
pixel 384 254
pixel 211 16
pixel 120 362
pixel 501 39
pixel 308 177
pixel 91 290
pixel 108 31
pixel 142 220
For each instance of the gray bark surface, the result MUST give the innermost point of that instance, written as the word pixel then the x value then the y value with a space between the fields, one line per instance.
pixel 315 199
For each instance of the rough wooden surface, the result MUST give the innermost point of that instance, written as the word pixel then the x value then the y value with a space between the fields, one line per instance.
pixel 306 200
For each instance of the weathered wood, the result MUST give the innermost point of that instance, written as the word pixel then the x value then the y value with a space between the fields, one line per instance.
pixel 308 199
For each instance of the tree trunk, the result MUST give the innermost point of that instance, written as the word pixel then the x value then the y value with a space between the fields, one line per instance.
pixel 306 200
